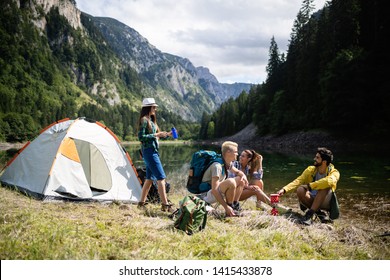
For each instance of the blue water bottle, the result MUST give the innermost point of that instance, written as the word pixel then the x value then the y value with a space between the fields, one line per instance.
pixel 174 133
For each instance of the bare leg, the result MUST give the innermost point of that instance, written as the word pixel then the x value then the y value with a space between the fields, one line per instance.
pixel 304 196
pixel 258 183
pixel 228 187
pixel 162 191
pixel 239 189
pixel 319 199
pixel 310 202
pixel 255 190
pixel 145 189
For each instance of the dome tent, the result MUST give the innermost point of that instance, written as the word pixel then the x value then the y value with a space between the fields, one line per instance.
pixel 74 159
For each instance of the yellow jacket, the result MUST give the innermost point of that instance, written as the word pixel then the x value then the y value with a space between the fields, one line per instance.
pixel 308 177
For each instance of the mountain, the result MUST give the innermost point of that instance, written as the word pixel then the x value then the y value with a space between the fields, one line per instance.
pixel 221 91
pixel 58 62
pixel 194 88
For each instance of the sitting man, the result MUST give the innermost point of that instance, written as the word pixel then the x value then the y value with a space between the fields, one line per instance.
pixel 315 186
pixel 224 190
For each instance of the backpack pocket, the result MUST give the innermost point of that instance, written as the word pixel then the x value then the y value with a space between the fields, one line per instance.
pixel 192 215
pixel 334 212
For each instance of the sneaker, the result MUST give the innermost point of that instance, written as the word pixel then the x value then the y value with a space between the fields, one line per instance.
pixel 323 217
pixel 236 206
pixel 307 220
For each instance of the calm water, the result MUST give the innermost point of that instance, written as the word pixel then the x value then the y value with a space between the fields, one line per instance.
pixel 359 174
pixel 363 189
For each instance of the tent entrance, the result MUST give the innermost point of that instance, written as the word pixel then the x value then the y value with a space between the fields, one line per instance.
pixel 92 161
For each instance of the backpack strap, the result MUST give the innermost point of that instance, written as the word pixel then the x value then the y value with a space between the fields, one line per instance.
pixel 174 214
pixel 224 168
pixel 203 226
pixel 209 163
pixel 201 201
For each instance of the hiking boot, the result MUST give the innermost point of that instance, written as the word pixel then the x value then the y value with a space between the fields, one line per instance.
pixel 307 220
pixel 142 205
pixel 167 208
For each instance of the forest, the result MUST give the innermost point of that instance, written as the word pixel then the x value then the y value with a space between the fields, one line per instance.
pixel 333 77
pixel 48 75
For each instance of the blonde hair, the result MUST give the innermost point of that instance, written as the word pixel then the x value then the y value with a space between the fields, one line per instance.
pixel 228 146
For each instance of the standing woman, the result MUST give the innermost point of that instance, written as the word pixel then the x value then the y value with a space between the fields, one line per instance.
pixel 148 134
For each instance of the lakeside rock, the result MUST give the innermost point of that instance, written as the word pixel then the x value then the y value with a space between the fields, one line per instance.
pixel 297 142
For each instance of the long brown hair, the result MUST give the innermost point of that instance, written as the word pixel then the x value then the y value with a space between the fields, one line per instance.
pixel 145 111
pixel 254 161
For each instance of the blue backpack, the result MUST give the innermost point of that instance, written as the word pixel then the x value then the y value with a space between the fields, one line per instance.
pixel 201 160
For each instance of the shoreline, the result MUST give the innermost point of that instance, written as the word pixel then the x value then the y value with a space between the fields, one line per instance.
pixel 295 142
pixel 302 142
pixel 4 146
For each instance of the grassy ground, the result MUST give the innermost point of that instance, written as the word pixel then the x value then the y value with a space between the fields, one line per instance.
pixel 32 229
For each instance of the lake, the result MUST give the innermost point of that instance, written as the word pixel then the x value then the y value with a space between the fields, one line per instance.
pixel 363 190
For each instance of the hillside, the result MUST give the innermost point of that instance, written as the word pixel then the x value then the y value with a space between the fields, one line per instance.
pixel 302 142
pixel 58 62
pixel 191 90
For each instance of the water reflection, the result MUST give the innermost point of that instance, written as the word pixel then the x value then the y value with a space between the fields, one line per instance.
pixel 358 173
pixel 363 189
pixel 363 174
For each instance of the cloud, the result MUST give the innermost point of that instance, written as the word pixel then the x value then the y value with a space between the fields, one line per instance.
pixel 230 37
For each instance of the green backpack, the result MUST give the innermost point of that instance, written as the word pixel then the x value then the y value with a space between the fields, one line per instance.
pixel 192 215
pixel 334 212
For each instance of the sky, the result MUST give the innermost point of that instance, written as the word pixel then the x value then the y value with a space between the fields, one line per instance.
pixel 229 37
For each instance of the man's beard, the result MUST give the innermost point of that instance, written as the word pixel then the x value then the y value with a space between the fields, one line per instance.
pixel 316 164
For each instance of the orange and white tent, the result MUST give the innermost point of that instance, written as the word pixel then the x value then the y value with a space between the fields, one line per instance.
pixel 75 159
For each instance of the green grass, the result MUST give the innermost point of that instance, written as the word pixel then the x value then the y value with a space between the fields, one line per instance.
pixel 32 229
